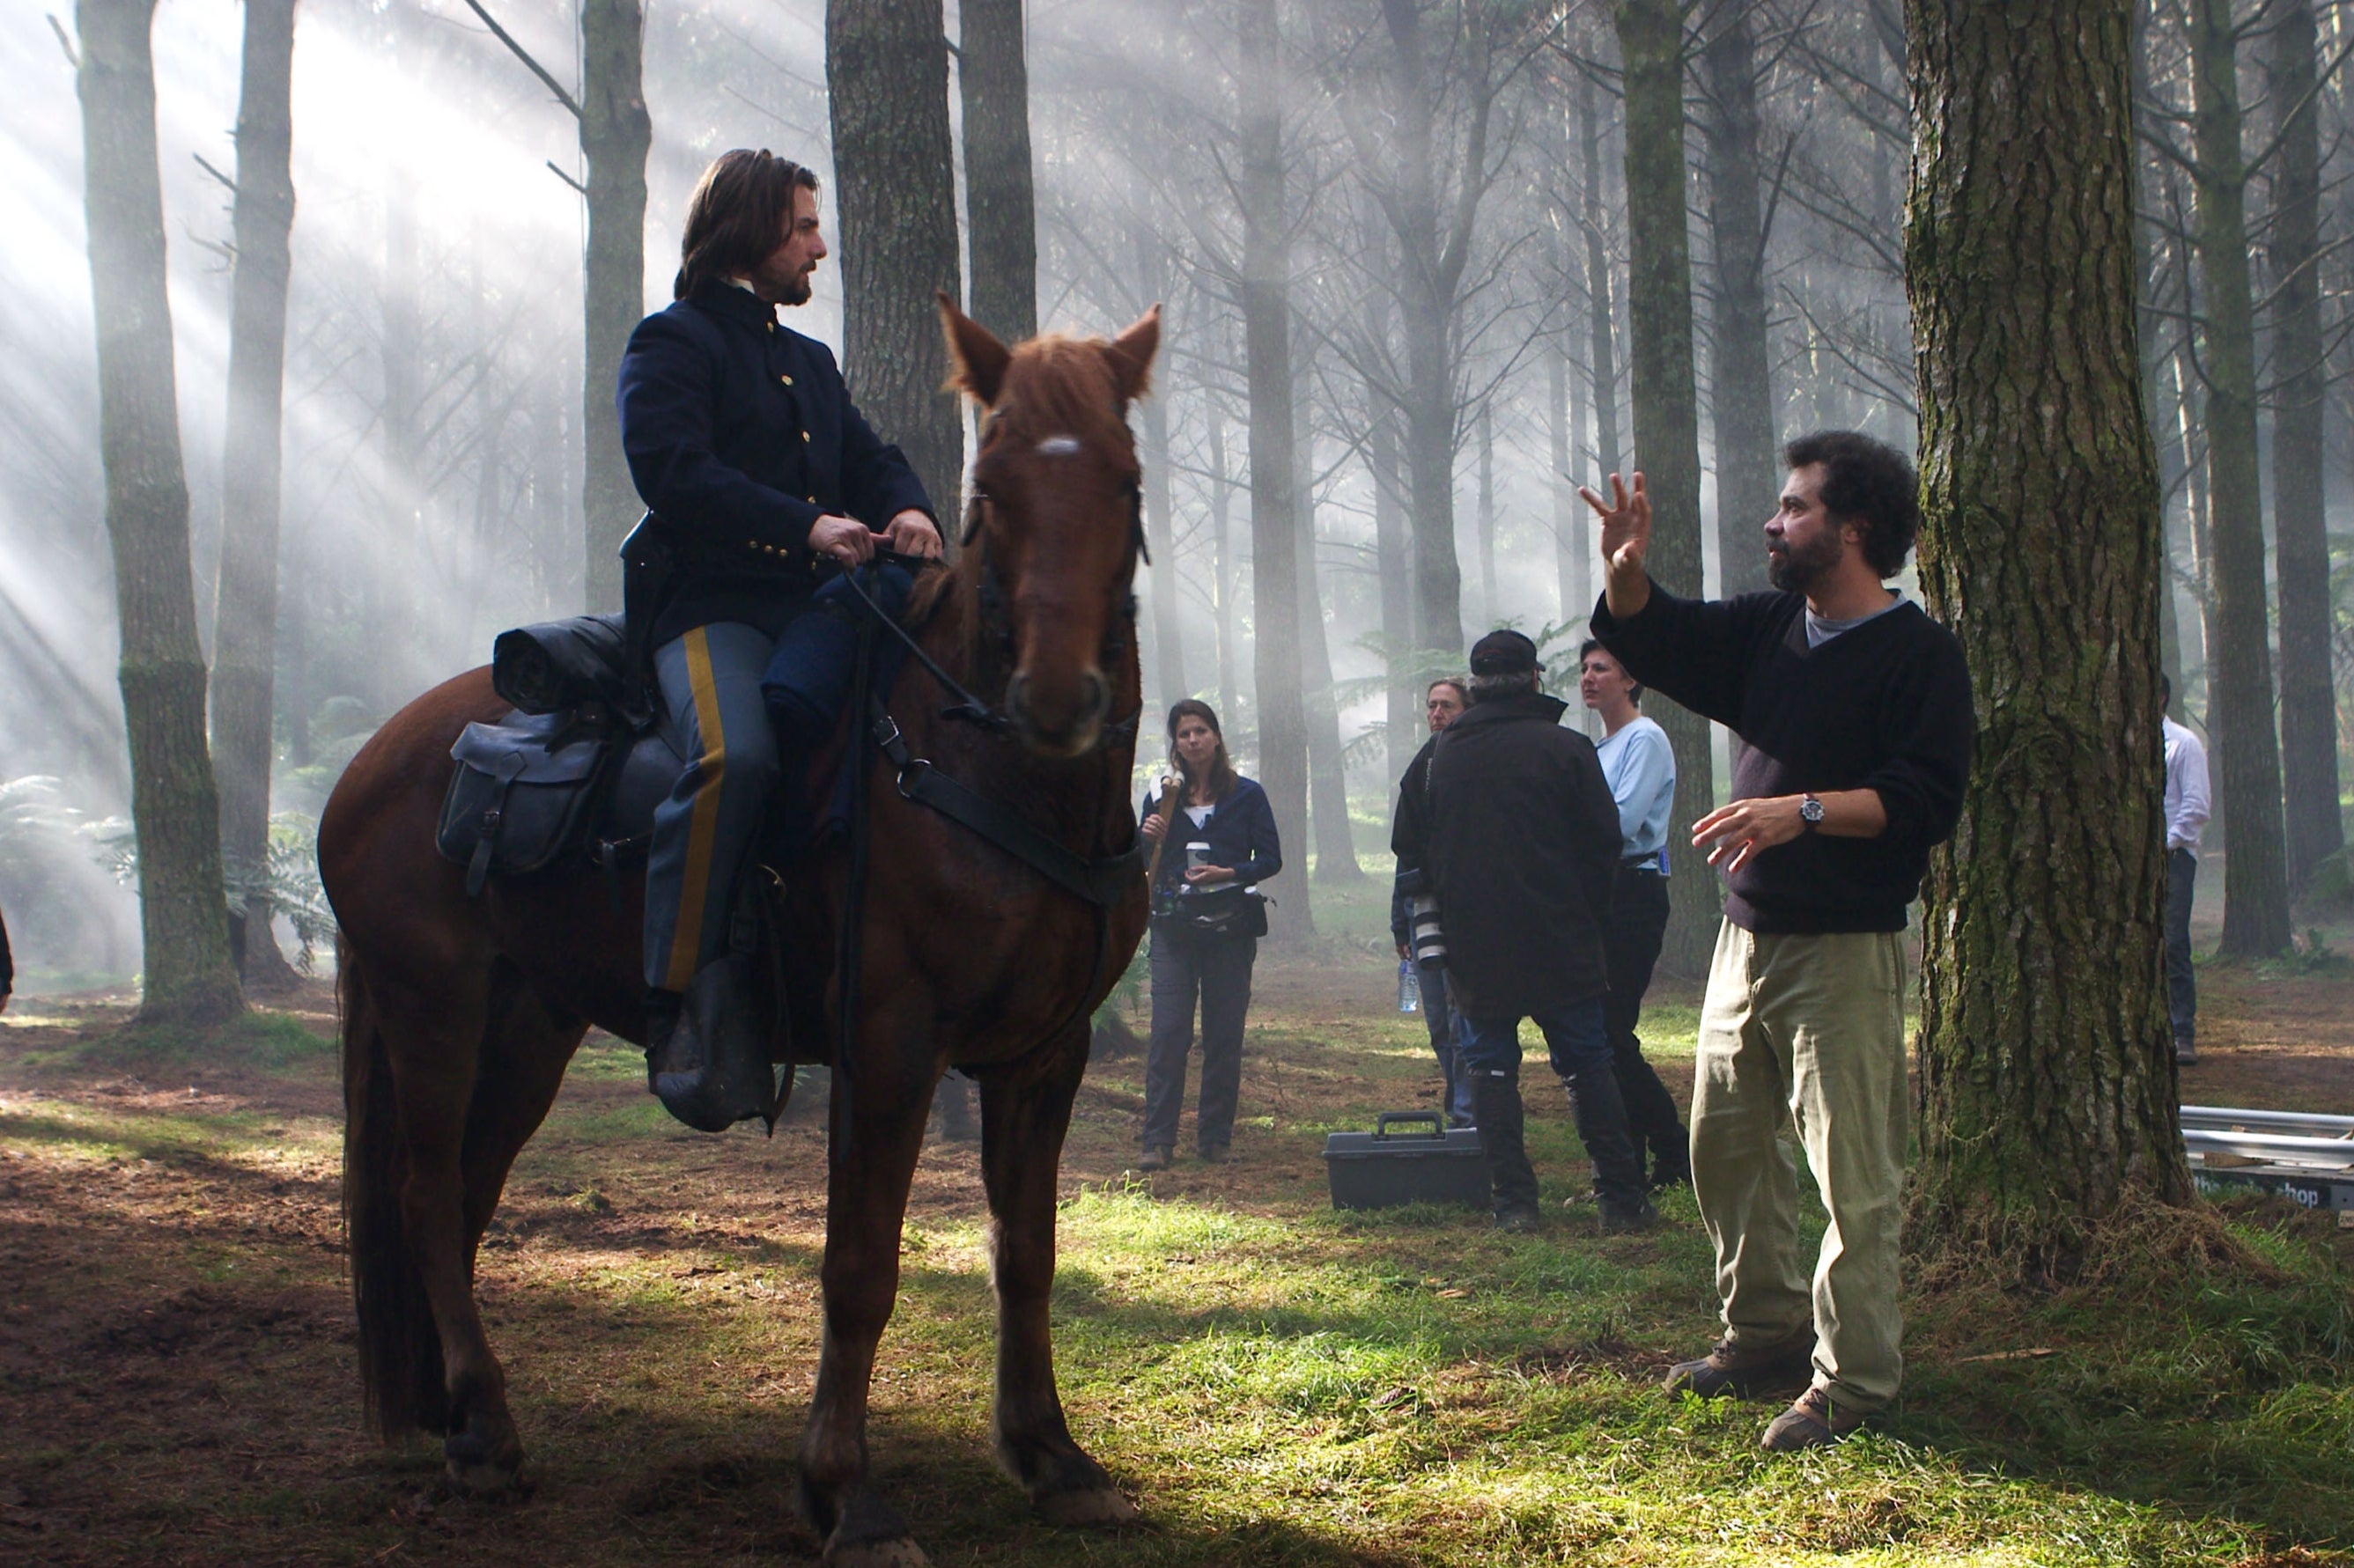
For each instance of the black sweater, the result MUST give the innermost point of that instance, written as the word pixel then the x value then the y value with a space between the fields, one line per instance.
pixel 1884 707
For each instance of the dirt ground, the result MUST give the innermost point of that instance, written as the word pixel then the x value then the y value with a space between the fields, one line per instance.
pixel 176 1365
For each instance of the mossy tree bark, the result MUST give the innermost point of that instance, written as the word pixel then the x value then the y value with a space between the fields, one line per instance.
pixel 2255 871
pixel 246 615
pixel 2048 1085
pixel 615 134
pixel 887 68
pixel 184 922
pixel 1000 204
pixel 1667 414
pixel 1275 506
pixel 2308 706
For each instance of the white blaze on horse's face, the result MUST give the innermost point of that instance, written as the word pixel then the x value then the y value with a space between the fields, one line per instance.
pixel 1059 447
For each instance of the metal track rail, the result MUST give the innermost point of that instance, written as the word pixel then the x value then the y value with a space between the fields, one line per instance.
pixel 2302 1124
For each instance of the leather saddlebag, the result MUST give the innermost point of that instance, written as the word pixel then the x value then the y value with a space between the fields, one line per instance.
pixel 521 794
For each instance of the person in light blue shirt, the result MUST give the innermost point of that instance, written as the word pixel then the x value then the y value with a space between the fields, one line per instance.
pixel 1641 766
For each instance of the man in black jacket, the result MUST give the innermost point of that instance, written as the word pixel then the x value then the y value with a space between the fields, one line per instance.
pixel 1856 710
pixel 1519 838
pixel 745 444
pixel 1442 705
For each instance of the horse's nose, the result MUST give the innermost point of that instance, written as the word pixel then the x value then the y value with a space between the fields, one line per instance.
pixel 1068 731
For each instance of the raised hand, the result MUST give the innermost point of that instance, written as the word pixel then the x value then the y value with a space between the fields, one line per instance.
pixel 1626 541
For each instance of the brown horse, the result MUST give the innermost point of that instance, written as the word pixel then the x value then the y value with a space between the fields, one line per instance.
pixel 460 1014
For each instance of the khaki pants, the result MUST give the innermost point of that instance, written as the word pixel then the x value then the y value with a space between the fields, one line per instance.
pixel 1807 1031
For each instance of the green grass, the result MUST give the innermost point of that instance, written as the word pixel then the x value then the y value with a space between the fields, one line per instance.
pixel 1276 1382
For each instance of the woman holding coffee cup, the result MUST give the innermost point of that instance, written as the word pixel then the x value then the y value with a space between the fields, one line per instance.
pixel 1214 842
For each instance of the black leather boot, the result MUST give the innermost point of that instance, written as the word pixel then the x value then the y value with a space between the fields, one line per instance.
pixel 1512 1184
pixel 711 1070
pixel 1619 1187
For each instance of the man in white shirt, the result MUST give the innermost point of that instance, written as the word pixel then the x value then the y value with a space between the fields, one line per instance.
pixel 1641 766
pixel 2186 814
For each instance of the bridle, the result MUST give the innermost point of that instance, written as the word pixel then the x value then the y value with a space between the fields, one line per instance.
pixel 996 627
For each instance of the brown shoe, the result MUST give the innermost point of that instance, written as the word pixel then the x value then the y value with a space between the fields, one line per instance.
pixel 1768 1369
pixel 1156 1158
pixel 1216 1154
pixel 1814 1421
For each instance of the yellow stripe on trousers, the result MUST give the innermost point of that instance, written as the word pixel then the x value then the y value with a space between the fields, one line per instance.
pixel 704 824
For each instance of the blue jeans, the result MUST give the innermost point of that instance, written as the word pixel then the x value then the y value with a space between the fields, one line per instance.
pixel 1575 1036
pixel 1488 1049
pixel 1445 1028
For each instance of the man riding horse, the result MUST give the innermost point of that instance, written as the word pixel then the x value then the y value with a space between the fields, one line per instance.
pixel 760 473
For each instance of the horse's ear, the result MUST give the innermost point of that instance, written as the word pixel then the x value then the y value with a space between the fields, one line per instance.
pixel 977 360
pixel 1130 354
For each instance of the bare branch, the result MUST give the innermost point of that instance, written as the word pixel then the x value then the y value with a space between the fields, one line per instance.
pixel 524 54
pixel 216 173
pixel 65 42
pixel 567 179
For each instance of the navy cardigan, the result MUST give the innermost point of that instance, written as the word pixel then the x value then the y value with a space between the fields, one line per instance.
pixel 1241 836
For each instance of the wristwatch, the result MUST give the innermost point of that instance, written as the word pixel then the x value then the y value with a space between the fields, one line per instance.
pixel 1810 812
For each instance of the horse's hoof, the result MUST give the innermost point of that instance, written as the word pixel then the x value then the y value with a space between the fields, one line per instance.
pixel 869 1534
pixel 1086 1506
pixel 484 1482
pixel 484 1459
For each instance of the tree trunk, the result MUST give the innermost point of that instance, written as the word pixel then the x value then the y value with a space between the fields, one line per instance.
pixel 2255 875
pixel 2149 271
pixel 1160 500
pixel 1222 563
pixel 1393 552
pixel 2048 1088
pixel 1667 414
pixel 246 615
pixel 1487 599
pixel 1428 298
pixel 1328 785
pixel 615 134
pixel 1001 212
pixel 886 66
pixel 1275 509
pixel 1602 363
pixel 1569 529
pixel 2308 715
pixel 183 922
pixel 1742 400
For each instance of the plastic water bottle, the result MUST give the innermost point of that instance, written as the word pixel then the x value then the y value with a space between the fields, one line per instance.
pixel 1409 987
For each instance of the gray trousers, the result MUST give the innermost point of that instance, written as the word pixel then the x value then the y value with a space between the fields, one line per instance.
pixel 705 829
pixel 1188 964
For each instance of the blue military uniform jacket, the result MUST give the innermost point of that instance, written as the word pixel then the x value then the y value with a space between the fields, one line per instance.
pixel 740 435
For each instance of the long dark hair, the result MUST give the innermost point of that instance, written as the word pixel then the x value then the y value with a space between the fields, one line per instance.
pixel 1221 771
pixel 736 216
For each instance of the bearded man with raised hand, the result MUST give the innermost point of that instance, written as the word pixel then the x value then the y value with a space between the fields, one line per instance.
pixel 1855 709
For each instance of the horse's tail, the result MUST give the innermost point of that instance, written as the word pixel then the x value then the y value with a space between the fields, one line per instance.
pixel 400 1348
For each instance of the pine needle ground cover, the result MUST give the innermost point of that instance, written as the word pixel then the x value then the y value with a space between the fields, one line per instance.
pixel 1276 1383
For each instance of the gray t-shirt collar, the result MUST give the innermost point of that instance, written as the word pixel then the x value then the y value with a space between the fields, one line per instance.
pixel 1819 631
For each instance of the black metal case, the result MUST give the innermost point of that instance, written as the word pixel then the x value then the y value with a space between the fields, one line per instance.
pixel 1381 1169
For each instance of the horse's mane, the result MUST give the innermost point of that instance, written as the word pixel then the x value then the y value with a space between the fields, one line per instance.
pixel 1054 385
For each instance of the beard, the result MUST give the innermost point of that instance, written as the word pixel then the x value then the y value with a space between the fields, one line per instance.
pixel 1798 570
pixel 782 281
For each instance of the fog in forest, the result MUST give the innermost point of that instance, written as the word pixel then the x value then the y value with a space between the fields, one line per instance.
pixel 432 422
